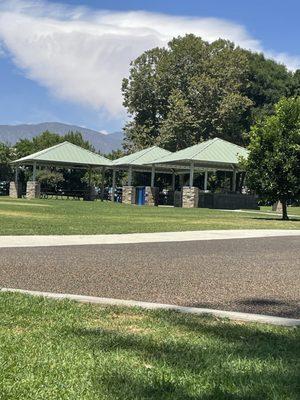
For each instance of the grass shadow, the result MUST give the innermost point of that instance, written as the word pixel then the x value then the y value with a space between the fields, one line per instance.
pixel 276 219
pixel 210 359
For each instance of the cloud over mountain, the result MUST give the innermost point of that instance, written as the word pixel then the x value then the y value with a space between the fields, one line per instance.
pixel 81 55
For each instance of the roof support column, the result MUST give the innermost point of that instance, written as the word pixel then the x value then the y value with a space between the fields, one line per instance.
pixel 243 182
pixel 234 180
pixel 191 174
pixel 90 176
pixel 102 183
pixel 173 181
pixel 152 176
pixel 16 173
pixel 34 171
pixel 113 184
pixel 181 180
pixel 205 180
pixel 129 182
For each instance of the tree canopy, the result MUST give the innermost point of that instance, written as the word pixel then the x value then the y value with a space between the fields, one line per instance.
pixel 268 82
pixel 194 90
pixel 5 157
pixel 273 165
pixel 24 147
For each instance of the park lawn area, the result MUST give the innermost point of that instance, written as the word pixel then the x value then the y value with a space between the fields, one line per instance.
pixel 66 217
pixel 64 350
pixel 291 210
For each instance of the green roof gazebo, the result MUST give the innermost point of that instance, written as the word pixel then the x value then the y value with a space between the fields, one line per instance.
pixel 61 155
pixel 211 155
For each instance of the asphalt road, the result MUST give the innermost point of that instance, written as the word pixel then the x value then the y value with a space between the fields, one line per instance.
pixel 250 275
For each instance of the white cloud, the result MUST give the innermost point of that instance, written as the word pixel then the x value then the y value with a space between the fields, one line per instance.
pixel 81 55
pixel 2 52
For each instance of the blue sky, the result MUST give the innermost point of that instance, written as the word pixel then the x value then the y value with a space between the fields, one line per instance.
pixel 64 61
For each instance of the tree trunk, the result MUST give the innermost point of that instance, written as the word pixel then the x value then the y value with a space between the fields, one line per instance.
pixel 284 210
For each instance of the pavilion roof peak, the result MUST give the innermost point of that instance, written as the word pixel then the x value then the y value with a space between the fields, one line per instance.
pixel 212 151
pixel 65 153
pixel 142 157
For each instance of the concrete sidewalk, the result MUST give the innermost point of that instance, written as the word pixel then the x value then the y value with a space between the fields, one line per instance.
pixel 158 237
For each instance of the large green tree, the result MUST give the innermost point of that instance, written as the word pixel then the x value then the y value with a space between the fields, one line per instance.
pixel 295 84
pixel 207 79
pixel 273 165
pixel 179 125
pixel 143 100
pixel 220 89
pixel 268 82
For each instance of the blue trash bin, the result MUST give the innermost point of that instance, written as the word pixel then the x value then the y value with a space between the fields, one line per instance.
pixel 140 196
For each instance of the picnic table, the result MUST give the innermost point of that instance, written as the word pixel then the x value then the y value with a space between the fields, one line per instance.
pixel 75 194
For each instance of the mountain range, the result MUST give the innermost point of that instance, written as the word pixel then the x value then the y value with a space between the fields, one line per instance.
pixel 104 143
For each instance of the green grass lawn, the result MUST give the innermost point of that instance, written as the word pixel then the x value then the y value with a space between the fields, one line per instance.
pixel 64 350
pixel 42 217
pixel 291 210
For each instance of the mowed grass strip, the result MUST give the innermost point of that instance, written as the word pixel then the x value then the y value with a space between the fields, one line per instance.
pixel 64 350
pixel 291 210
pixel 49 217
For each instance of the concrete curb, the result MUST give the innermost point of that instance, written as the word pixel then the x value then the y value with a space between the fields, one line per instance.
pixel 132 238
pixel 232 315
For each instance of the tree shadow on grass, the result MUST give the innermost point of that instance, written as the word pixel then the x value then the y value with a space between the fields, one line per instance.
pixel 210 359
pixel 277 219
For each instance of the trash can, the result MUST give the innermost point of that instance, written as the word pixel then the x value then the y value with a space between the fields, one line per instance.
pixel 140 195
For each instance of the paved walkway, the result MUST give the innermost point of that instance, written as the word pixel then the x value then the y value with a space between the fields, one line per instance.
pixel 159 237
pixel 258 275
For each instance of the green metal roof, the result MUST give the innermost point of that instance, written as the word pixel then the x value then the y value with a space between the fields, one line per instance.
pixel 142 157
pixel 213 151
pixel 65 153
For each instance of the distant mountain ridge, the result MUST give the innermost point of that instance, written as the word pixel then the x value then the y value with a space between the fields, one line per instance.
pixel 10 134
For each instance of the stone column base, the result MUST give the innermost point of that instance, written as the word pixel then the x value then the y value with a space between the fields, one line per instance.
pixel 33 190
pixel 15 190
pixel 190 197
pixel 128 194
pixel 151 196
